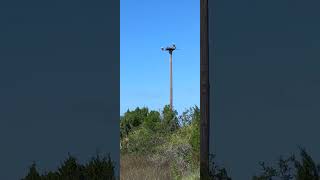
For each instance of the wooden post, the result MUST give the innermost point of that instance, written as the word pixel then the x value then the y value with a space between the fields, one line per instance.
pixel 170 50
pixel 171 101
pixel 204 89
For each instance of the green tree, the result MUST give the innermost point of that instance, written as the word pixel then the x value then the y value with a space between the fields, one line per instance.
pixel 33 173
pixel 70 169
pixel 195 133
pixel 50 176
pixel 307 169
pixel 268 173
pixel 153 120
pixel 132 119
pixel 170 120
pixel 100 168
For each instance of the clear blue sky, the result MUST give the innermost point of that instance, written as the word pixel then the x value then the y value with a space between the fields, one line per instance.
pixel 144 69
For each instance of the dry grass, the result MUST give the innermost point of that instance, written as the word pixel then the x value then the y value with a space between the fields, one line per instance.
pixel 139 168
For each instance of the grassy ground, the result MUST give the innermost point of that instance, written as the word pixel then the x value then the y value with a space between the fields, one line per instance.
pixel 193 176
pixel 139 168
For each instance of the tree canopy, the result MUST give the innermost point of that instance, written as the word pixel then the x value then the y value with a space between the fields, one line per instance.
pixel 98 168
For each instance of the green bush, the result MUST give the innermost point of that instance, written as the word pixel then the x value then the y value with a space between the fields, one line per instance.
pixel 141 141
pixel 195 133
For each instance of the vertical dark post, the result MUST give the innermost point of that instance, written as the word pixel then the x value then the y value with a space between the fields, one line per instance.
pixel 204 89
pixel 171 104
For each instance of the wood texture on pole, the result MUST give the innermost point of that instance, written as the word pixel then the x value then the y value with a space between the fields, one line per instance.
pixel 204 89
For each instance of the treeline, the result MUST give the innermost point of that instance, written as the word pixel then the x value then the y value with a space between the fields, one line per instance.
pixel 302 167
pixel 163 137
pixel 98 168
pixel 169 144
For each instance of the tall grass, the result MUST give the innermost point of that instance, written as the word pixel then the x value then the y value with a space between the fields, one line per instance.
pixel 134 167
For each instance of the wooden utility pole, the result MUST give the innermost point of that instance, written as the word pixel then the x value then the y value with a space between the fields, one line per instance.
pixel 204 90
pixel 170 49
pixel 171 81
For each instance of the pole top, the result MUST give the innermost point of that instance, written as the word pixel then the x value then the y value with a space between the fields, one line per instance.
pixel 170 49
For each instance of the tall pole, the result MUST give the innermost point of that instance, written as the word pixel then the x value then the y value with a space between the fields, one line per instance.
pixel 171 99
pixel 204 89
pixel 170 49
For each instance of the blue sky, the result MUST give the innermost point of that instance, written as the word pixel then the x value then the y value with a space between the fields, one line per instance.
pixel 145 26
